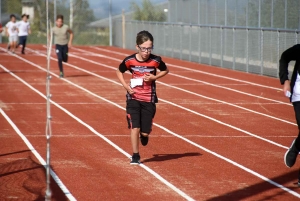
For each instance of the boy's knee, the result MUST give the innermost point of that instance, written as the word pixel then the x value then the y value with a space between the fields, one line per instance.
pixel 145 134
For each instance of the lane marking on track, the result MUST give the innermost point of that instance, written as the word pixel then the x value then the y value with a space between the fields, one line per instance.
pixel 198 71
pixel 156 175
pixel 181 137
pixel 195 80
pixel 187 91
pixel 189 110
pixel 38 156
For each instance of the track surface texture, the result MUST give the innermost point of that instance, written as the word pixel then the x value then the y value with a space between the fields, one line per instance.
pixel 218 134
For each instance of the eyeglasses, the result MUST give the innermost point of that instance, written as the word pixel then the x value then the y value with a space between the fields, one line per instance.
pixel 144 49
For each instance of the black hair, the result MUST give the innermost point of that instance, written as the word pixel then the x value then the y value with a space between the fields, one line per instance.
pixel 143 36
pixel 60 17
pixel 25 15
pixel 12 15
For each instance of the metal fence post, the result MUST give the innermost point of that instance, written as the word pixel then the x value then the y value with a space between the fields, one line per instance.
pixel 199 45
pixel 221 46
pixel 172 42
pixel 285 14
pixel 190 43
pixel 262 52
pixel 210 46
pixel 278 56
pixel 233 49
pixel 180 41
pixel 247 52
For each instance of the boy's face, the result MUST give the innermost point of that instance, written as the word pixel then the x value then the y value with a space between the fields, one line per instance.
pixel 144 50
pixel 13 19
pixel 24 18
pixel 59 22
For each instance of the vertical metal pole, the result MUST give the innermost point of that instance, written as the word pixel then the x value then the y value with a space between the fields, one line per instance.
pixel 272 14
pixel 278 56
pixel 54 11
pixel 259 12
pixel 207 12
pixel 247 11
pixel 262 52
pixel 169 9
pixel 215 12
pixel 210 45
pixel 285 14
pixel 225 12
pixel 199 13
pixel 247 52
pixel 172 42
pixel 199 45
pixel 71 14
pixel 233 49
pixel 123 30
pixel 235 13
pixel 190 43
pixel 180 41
pixel 110 25
pixel 221 46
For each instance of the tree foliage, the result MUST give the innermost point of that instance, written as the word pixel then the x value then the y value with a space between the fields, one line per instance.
pixel 147 12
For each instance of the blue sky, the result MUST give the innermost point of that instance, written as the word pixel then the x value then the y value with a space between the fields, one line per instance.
pixel 101 7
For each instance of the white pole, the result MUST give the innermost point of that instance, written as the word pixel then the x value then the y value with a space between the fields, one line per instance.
pixel 71 14
pixel 54 13
pixel 110 25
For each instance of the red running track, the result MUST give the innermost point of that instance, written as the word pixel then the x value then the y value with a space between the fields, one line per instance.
pixel 221 143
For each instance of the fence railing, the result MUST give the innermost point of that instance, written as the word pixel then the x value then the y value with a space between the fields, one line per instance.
pixel 249 49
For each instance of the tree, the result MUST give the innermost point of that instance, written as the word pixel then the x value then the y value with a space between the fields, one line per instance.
pixel 148 12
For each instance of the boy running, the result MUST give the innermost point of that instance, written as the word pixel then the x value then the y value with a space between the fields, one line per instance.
pixel 292 90
pixel 12 33
pixel 62 43
pixel 24 30
pixel 141 93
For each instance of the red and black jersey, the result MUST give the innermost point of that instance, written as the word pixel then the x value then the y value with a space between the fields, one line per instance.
pixel 146 92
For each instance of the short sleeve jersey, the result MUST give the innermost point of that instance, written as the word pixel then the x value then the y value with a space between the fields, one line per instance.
pixel 23 28
pixel 61 34
pixel 12 28
pixel 147 91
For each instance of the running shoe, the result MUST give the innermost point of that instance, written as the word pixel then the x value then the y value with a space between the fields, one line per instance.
pixel 135 160
pixel 144 140
pixel 291 155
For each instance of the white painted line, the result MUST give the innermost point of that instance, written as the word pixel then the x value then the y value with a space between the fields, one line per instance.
pixel 194 112
pixel 174 188
pixel 187 91
pixel 185 139
pixel 192 79
pixel 38 156
pixel 199 71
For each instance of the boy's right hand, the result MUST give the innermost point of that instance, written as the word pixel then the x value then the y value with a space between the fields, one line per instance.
pixel 286 87
pixel 129 89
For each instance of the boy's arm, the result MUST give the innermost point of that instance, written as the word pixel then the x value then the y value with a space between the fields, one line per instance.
pixel 287 56
pixel 71 37
pixel 125 85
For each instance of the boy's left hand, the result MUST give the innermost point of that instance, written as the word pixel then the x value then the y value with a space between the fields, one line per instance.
pixel 149 77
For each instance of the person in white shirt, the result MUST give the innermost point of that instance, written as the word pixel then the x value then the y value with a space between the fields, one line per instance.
pixel 24 30
pixel 12 32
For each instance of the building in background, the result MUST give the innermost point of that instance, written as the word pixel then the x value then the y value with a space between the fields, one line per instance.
pixel 28 8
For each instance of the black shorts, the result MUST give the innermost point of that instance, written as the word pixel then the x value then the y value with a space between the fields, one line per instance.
pixel 297 112
pixel 140 115
pixel 62 52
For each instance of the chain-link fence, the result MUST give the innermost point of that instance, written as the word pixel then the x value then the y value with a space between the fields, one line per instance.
pixel 254 50
pixel 250 13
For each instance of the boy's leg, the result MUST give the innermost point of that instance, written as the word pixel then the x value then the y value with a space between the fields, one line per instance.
pixel 65 53
pixel 24 39
pixel 133 117
pixel 148 111
pixel 292 153
pixel 59 53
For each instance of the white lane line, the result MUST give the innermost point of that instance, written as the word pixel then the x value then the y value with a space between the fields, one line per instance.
pixel 38 156
pixel 198 71
pixel 184 108
pixel 156 175
pixel 168 131
pixel 193 93
pixel 192 79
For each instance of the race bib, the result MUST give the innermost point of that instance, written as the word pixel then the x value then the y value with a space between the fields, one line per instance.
pixel 136 82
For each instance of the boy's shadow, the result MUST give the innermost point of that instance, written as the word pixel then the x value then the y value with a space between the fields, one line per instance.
pixel 165 157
